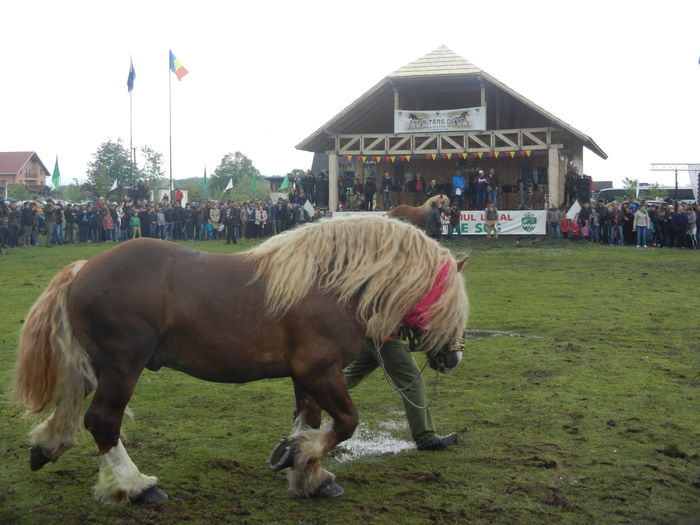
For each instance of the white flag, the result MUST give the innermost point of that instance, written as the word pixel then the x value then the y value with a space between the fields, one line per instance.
pixel 114 186
pixel 309 208
pixel 573 211
pixel 229 186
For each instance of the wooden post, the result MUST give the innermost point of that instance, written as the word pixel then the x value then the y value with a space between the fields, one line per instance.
pixel 483 95
pixel 332 181
pixel 553 177
pixel 578 157
pixel 396 99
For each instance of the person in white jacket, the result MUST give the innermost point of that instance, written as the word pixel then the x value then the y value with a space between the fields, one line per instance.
pixel 641 225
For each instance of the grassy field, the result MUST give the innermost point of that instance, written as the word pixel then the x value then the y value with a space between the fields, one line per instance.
pixel 593 417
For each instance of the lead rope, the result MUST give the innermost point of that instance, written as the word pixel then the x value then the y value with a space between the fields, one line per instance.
pixel 378 347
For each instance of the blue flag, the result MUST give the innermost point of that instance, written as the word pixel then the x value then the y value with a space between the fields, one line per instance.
pixel 132 76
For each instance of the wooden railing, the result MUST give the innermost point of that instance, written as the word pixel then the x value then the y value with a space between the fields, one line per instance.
pixel 466 142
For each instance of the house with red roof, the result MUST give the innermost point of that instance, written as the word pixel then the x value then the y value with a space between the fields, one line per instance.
pixel 25 168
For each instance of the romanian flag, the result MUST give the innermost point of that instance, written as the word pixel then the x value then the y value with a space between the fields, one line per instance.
pixel 176 67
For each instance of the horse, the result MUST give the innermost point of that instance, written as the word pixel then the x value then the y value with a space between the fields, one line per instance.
pixel 416 214
pixel 298 305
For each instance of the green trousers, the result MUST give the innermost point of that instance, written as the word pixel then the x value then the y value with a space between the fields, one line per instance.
pixel 403 371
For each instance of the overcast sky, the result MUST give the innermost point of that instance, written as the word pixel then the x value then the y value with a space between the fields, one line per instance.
pixel 265 75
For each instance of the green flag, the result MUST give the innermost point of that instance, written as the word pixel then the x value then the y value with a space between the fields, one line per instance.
pixel 206 185
pixel 285 183
pixel 56 177
pixel 255 183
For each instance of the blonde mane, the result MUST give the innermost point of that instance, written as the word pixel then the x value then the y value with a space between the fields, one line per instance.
pixel 381 267
pixel 442 200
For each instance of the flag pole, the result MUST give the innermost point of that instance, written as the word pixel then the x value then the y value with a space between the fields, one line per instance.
pixel 170 131
pixel 131 138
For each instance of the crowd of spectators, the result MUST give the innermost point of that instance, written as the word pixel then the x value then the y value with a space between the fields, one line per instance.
pixel 32 224
pixel 633 223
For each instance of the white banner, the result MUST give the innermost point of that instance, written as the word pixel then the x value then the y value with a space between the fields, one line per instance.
pixel 510 222
pixel 463 119
pixel 694 172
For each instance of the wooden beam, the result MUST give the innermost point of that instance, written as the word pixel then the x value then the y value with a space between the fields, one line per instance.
pixel 332 181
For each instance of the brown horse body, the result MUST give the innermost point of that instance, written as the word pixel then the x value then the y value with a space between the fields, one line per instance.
pixel 150 304
pixel 416 215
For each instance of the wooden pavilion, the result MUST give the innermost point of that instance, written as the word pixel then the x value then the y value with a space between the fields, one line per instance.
pixel 482 124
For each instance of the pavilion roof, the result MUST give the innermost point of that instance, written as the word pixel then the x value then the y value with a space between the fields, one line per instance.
pixel 374 108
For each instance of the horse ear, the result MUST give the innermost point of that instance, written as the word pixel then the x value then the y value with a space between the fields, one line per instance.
pixel 461 263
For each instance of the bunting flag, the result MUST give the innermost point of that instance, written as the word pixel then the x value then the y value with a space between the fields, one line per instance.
pixel 132 76
pixel 433 156
pixel 496 154
pixel 465 155
pixel 285 183
pixel 229 186
pixel 408 158
pixel 392 158
pixel 176 67
pixel 528 153
pixel 56 177
pixel 364 158
pixel 512 154
pixel 480 155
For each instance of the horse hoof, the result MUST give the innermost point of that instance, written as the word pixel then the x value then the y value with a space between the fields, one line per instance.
pixel 328 489
pixel 282 456
pixel 150 496
pixel 37 458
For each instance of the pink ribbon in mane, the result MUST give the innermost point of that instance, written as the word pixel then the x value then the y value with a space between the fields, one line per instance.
pixel 419 317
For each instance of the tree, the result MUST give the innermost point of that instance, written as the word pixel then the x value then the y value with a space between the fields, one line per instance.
pixel 630 186
pixel 195 192
pixel 19 192
pixel 74 193
pixel 244 189
pixel 654 192
pixel 111 162
pixel 232 166
pixel 152 171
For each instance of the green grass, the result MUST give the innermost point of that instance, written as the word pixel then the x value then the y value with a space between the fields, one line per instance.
pixel 593 419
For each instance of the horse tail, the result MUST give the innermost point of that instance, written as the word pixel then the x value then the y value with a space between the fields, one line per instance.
pixel 53 372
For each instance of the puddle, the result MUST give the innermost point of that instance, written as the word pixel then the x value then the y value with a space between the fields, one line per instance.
pixel 477 334
pixel 372 442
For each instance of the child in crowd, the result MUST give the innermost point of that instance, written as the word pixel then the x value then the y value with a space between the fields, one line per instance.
pixel 595 225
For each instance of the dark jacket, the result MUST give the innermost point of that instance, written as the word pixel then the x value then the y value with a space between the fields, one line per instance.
pixel 433 222
pixel 680 220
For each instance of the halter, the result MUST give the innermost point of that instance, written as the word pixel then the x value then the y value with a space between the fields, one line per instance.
pixel 417 319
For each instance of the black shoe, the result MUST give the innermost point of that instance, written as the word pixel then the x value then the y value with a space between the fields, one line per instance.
pixel 439 442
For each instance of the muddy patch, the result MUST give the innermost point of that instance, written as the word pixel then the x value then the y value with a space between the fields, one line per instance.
pixel 480 334
pixel 372 442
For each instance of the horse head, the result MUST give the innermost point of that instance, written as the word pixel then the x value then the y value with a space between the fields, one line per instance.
pixel 443 203
pixel 442 359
